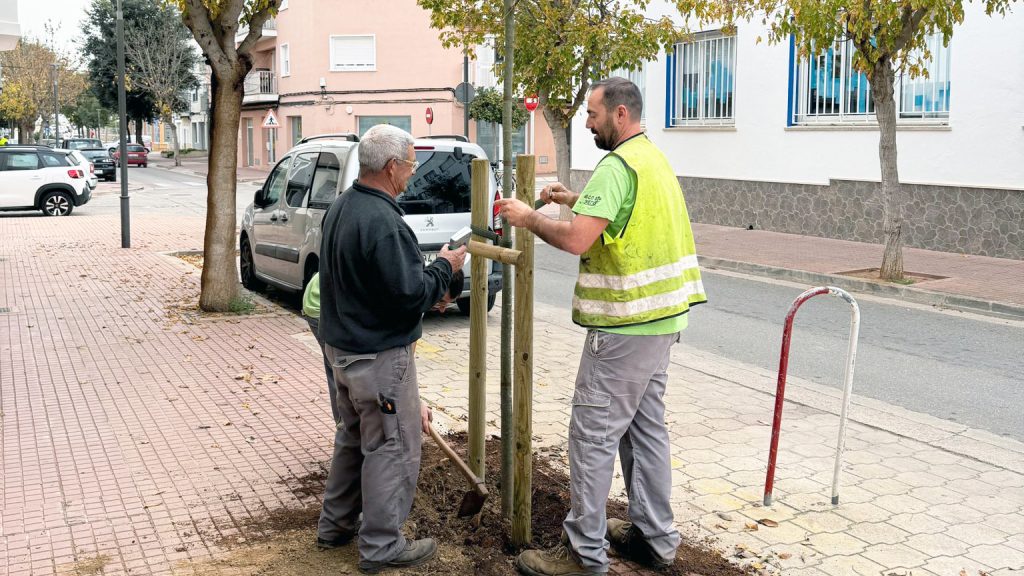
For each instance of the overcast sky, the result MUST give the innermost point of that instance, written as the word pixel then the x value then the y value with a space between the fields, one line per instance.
pixel 67 15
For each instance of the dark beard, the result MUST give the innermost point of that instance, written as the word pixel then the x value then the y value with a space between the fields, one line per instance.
pixel 606 144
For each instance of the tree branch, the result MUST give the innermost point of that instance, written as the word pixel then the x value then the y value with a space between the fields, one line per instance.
pixel 256 28
pixel 197 17
pixel 910 20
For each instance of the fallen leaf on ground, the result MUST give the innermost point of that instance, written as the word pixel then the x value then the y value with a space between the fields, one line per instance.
pixel 785 555
pixel 752 526
pixel 768 522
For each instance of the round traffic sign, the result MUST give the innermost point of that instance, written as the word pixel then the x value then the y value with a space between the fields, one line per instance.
pixel 430 115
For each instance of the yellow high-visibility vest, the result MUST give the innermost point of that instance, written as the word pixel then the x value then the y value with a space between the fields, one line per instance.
pixel 648 271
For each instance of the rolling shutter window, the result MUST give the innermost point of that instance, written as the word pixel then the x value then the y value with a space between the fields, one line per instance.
pixel 354 53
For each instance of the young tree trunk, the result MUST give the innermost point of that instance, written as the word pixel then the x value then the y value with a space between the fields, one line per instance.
pixel 561 137
pixel 169 121
pixel 138 131
pixel 882 78
pixel 220 269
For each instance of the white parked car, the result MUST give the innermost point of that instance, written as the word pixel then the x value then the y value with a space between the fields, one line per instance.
pixel 78 159
pixel 39 178
pixel 279 241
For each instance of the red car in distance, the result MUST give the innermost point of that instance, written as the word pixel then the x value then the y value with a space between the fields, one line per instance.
pixel 136 155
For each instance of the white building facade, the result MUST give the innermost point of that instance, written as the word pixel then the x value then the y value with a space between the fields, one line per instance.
pixel 762 138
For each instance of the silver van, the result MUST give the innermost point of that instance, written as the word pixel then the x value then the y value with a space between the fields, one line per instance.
pixel 279 241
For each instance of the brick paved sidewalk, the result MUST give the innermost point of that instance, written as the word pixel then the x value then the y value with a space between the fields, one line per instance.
pixel 137 435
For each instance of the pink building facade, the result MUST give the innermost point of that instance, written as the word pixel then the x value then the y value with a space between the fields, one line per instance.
pixel 333 66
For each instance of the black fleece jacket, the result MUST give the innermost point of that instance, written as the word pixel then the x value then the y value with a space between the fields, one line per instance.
pixel 374 287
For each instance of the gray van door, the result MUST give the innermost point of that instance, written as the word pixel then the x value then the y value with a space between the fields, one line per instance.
pixel 293 218
pixel 265 219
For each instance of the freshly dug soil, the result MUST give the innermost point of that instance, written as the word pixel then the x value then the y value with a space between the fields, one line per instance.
pixel 282 542
pixel 489 546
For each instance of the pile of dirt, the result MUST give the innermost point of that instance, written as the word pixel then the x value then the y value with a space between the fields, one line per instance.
pixel 487 539
pixel 281 542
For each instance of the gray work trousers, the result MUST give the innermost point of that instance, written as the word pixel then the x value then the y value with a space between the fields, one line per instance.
pixel 377 461
pixel 619 405
pixel 314 327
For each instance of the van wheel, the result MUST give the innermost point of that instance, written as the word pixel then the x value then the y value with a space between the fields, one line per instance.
pixel 463 304
pixel 56 204
pixel 247 266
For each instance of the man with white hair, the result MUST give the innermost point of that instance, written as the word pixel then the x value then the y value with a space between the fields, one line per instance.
pixel 374 290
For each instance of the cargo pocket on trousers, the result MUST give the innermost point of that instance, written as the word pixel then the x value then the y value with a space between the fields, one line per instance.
pixel 379 426
pixel 589 420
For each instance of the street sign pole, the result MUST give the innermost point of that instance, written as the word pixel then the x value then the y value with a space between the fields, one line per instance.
pixel 122 129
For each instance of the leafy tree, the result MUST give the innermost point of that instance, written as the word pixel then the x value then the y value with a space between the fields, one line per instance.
pixel 165 69
pixel 86 111
pixel 100 46
pixel 486 107
pixel 28 85
pixel 888 37
pixel 214 24
pixel 570 44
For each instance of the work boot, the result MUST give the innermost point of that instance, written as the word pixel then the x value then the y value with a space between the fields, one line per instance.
pixel 416 552
pixel 558 561
pixel 337 542
pixel 629 541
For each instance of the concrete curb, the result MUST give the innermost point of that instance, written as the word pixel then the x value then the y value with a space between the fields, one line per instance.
pixel 959 302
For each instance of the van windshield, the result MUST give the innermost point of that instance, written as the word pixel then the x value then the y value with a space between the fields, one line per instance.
pixel 441 184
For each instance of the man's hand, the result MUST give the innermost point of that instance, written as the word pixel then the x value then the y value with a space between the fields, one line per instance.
pixel 516 211
pixel 426 416
pixel 454 257
pixel 558 194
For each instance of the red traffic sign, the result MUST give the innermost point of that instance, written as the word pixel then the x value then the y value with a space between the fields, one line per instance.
pixel 430 115
pixel 531 102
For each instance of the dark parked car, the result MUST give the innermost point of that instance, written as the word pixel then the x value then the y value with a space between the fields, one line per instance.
pixel 136 155
pixel 102 162
pixel 80 143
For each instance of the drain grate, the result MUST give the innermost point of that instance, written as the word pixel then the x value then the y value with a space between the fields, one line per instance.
pixel 4 310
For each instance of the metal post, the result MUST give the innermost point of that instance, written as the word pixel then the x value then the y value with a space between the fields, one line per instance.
pixel 465 82
pixel 56 109
pixel 126 230
pixel 851 361
pixel 780 391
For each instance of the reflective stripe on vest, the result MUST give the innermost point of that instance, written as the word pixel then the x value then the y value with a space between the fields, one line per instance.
pixel 634 307
pixel 610 282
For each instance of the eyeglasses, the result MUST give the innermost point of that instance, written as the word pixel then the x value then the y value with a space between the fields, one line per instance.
pixel 414 163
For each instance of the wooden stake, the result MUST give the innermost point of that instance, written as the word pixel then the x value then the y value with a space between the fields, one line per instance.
pixel 478 323
pixel 523 354
pixel 485 250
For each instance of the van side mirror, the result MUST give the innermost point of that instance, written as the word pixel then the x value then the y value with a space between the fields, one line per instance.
pixel 257 198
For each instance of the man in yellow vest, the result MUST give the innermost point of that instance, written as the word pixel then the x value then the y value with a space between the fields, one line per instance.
pixel 638 278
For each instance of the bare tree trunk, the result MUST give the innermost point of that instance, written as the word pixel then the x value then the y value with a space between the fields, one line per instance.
pixel 138 131
pixel 220 269
pixel 882 78
pixel 560 134
pixel 25 132
pixel 169 121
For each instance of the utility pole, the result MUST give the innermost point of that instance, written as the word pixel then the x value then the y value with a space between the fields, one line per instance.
pixel 122 128
pixel 56 110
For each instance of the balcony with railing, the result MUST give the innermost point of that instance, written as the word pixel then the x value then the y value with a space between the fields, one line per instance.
pixel 260 86
pixel 269 31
